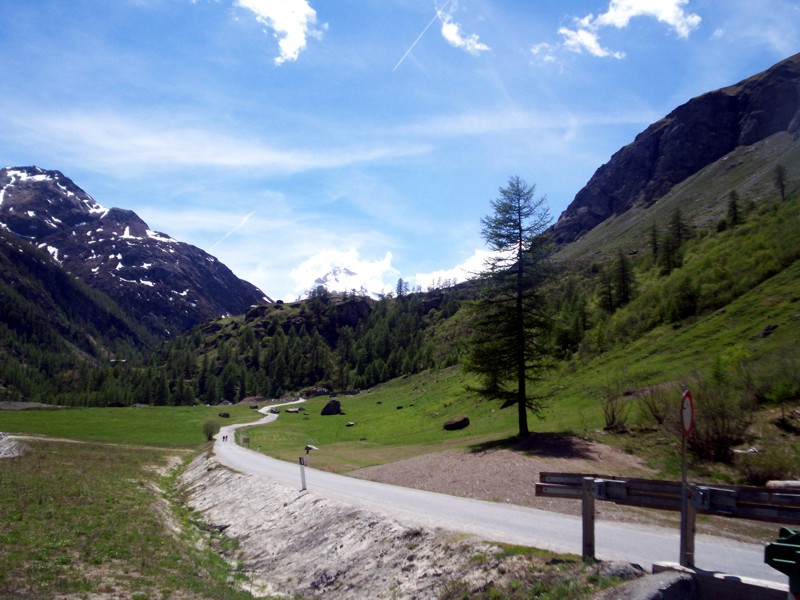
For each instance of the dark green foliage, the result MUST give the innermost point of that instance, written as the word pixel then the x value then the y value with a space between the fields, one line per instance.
pixel 780 181
pixel 654 241
pixel 210 429
pixel 512 322
pixel 624 283
pixel 734 213
pixel 337 342
pixel 57 335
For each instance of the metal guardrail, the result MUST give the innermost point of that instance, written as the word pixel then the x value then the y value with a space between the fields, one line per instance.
pixel 779 505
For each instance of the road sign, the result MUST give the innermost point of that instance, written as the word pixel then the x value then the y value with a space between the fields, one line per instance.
pixel 687 412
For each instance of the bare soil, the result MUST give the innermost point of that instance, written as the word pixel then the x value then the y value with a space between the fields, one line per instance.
pixel 509 472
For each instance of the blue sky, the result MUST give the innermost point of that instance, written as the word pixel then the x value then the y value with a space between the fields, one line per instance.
pixel 286 137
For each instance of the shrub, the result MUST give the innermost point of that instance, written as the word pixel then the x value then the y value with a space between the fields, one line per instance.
pixel 722 415
pixel 615 405
pixel 774 462
pixel 210 429
pixel 656 403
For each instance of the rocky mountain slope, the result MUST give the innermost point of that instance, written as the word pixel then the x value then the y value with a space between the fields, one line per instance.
pixel 692 137
pixel 167 285
pixel 44 310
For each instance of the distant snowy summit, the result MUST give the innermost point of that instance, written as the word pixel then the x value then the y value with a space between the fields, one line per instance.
pixel 337 277
pixel 342 280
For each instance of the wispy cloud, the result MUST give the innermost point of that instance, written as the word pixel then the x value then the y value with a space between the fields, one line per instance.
pixel 291 21
pixel 585 36
pixel 451 32
pixel 241 224
pixel 132 143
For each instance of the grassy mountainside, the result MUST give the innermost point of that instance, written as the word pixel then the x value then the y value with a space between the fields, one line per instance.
pixel 736 350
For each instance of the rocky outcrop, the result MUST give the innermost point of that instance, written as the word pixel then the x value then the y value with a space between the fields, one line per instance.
pixel 168 285
pixel 690 138
pixel 457 423
pixel 333 407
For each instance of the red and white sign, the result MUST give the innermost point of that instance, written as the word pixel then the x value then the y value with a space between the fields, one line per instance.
pixel 687 412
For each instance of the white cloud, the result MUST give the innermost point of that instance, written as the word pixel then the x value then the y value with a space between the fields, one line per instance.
pixel 376 275
pixel 586 37
pixel 468 269
pixel 670 12
pixel 451 31
pixel 292 22
pixel 544 52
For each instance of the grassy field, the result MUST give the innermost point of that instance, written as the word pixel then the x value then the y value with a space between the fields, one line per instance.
pixel 159 426
pixel 85 519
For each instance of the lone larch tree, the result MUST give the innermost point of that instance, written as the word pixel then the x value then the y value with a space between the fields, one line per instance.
pixel 509 346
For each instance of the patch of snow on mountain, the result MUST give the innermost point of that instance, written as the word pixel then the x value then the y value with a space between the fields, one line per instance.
pixel 161 237
pixel 17 175
pixel 53 251
pixel 94 208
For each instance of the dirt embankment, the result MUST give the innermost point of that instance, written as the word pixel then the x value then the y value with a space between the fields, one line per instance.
pixel 298 543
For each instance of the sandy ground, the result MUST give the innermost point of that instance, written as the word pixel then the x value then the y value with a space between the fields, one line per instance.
pixel 293 542
pixel 297 543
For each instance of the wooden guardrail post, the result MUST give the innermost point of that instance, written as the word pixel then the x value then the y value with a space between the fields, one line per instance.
pixel 588 519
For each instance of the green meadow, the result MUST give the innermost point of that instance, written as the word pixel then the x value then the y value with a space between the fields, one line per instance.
pixel 158 426
pixel 88 520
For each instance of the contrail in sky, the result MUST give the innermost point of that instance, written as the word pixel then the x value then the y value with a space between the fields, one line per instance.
pixel 232 231
pixel 419 37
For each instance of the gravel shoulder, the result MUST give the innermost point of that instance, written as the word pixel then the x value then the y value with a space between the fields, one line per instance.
pixel 510 475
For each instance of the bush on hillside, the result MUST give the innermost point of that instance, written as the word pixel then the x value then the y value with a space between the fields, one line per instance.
pixel 771 463
pixel 722 415
pixel 210 429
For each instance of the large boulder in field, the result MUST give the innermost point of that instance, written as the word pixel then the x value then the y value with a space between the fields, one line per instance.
pixel 457 423
pixel 333 407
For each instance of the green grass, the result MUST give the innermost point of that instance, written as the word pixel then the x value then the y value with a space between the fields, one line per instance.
pixel 383 433
pixel 162 426
pixel 84 519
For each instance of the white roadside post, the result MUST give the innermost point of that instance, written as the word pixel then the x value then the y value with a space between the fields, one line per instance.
pixel 303 464
pixel 303 473
pixel 688 512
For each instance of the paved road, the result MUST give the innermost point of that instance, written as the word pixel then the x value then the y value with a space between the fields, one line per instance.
pixel 502 522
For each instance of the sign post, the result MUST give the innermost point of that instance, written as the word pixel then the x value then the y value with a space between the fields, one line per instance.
pixel 303 472
pixel 688 512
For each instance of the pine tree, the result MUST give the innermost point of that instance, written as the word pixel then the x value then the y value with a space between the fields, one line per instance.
pixel 733 209
pixel 623 280
pixel 654 241
pixel 780 181
pixel 511 322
